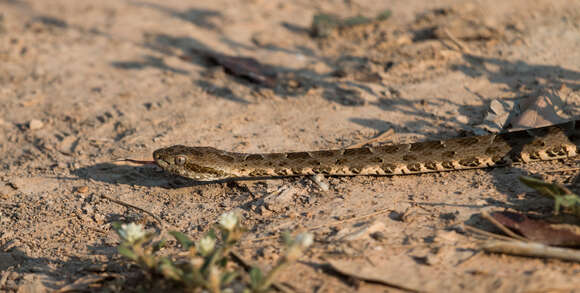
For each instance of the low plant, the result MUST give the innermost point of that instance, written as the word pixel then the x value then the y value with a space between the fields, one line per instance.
pixel 562 196
pixel 206 264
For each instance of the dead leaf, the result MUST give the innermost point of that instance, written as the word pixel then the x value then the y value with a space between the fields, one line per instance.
pixel 539 230
pixel 537 111
pixel 381 138
pixel 281 199
pixel 244 67
pixel 498 115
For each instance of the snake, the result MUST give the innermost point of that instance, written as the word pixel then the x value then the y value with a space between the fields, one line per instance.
pixel 472 152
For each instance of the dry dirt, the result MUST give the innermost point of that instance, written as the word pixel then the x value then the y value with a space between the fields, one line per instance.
pixel 83 83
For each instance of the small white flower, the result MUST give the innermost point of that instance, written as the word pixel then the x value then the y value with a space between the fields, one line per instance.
pixel 131 232
pixel 298 246
pixel 304 239
pixel 206 245
pixel 228 221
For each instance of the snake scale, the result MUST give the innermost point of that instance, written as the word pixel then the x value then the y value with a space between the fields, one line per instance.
pixel 536 144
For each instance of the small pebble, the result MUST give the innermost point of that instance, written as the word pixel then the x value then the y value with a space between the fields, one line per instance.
pixel 82 189
pixel 462 119
pixel 35 124
pixel 293 83
pixel 320 181
pixel 378 236
pixel 99 219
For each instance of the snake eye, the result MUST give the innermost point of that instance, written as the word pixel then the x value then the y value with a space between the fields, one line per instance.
pixel 180 160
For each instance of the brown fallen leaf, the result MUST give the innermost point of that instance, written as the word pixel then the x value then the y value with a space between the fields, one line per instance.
pixel 245 67
pixel 498 115
pixel 537 111
pixel 377 139
pixel 539 230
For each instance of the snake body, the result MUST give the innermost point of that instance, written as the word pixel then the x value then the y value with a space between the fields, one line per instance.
pixel 537 144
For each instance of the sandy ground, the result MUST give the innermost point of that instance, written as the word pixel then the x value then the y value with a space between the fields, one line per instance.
pixel 83 83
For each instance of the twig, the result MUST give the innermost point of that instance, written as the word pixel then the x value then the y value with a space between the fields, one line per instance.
pixel 533 249
pixel 351 219
pixel 84 283
pixel 265 238
pixel 559 170
pixel 488 234
pixel 348 271
pixel 379 138
pixel 329 224
pixel 503 228
pixel 128 205
pixel 470 259
pixel 458 43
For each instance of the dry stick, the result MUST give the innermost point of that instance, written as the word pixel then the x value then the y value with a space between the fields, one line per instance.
pixel 83 283
pixel 378 279
pixel 379 138
pixel 503 228
pixel 351 219
pixel 488 234
pixel 330 224
pixel 265 238
pixel 458 43
pixel 559 170
pixel 553 290
pixel 128 205
pixel 532 249
pixel 469 260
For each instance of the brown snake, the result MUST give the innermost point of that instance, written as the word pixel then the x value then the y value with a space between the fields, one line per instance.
pixel 537 144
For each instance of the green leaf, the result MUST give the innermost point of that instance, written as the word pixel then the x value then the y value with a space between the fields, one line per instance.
pixel 228 277
pixel 212 233
pixel 148 261
pixel 287 238
pixel 384 15
pixel 127 252
pixel 169 270
pixel 324 18
pixel 223 262
pixel 546 189
pixel 116 225
pixel 356 20
pixel 146 238
pixel 561 195
pixel 185 242
pixel 158 245
pixel 255 277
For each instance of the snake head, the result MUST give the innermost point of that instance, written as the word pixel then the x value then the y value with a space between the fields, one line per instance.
pixel 190 162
